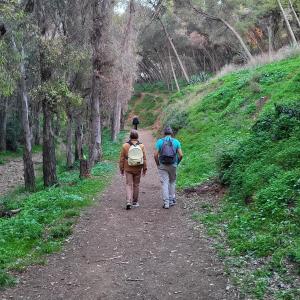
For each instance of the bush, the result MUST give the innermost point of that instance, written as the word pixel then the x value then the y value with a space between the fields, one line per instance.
pixel 177 118
pixel 198 78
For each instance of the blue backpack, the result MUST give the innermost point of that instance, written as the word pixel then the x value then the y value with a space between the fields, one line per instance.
pixel 167 154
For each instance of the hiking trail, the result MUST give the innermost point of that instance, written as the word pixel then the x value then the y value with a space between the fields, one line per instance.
pixel 145 253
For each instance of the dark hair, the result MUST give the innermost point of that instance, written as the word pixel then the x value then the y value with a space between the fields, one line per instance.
pixel 168 130
pixel 134 134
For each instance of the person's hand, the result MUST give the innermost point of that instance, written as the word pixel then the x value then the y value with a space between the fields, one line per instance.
pixel 144 172
pixel 122 173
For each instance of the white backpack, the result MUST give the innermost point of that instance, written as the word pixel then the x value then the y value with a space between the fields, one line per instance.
pixel 135 154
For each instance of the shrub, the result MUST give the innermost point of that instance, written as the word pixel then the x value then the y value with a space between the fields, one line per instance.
pixel 177 118
pixel 198 78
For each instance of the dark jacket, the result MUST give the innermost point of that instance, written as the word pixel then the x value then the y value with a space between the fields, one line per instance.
pixel 135 121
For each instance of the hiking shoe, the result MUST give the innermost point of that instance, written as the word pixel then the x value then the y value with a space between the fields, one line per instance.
pixel 128 206
pixel 172 202
pixel 135 204
pixel 166 205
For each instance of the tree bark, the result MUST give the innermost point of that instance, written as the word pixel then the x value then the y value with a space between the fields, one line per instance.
pixel 84 169
pixel 102 13
pixel 79 139
pixel 49 157
pixel 173 72
pixel 3 121
pixel 175 51
pixel 294 12
pixel 288 25
pixel 116 120
pixel 36 129
pixel 270 39
pixel 29 176
pixel 69 153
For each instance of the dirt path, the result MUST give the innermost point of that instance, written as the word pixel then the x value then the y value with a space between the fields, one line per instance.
pixel 145 253
pixel 11 173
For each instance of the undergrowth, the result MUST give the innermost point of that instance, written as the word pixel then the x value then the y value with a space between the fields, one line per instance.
pixel 47 216
pixel 247 134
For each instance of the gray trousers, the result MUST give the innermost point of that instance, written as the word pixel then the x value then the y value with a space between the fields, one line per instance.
pixel 167 175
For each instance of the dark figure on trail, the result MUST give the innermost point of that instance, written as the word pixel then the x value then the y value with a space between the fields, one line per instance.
pixel 132 163
pixel 135 122
pixel 168 155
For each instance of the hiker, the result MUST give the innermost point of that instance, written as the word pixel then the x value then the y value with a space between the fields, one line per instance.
pixel 135 122
pixel 133 164
pixel 168 155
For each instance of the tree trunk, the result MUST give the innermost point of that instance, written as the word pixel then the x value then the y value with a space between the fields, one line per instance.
pixel 69 153
pixel 49 158
pixel 173 72
pixel 3 121
pixel 175 52
pixel 270 39
pixel 288 25
pixel 249 55
pixel 102 14
pixel 294 12
pixel 116 120
pixel 95 124
pixel 36 130
pixel 122 122
pixel 78 140
pixel 84 169
pixel 29 176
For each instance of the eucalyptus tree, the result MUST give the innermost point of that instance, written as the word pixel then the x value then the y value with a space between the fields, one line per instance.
pixel 102 11
pixel 15 18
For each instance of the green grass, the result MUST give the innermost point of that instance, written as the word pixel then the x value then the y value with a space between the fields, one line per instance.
pixel 148 109
pixel 48 215
pixel 254 148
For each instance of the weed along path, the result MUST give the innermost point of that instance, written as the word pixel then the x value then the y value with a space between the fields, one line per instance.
pixel 145 253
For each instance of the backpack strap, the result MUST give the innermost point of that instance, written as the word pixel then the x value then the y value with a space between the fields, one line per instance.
pixel 131 143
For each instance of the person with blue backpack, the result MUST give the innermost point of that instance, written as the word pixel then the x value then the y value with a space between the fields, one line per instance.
pixel 168 155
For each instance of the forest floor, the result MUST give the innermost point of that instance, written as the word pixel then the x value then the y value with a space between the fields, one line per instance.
pixel 145 253
pixel 12 173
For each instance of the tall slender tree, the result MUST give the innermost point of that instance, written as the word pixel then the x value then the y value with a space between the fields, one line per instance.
pixel 288 25
pixel 102 15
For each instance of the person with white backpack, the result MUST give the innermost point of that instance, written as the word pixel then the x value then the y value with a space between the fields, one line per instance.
pixel 133 164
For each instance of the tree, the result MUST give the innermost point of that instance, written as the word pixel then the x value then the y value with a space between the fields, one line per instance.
pixel 294 12
pixel 229 26
pixel 29 176
pixel 102 16
pixel 288 25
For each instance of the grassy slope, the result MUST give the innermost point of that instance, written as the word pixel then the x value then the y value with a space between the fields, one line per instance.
pixel 47 216
pixel 260 164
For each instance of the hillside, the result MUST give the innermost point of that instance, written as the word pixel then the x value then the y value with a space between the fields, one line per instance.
pixel 243 130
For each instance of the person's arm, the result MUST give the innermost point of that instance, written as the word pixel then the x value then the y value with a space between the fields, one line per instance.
pixel 156 155
pixel 145 161
pixel 180 155
pixel 122 160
